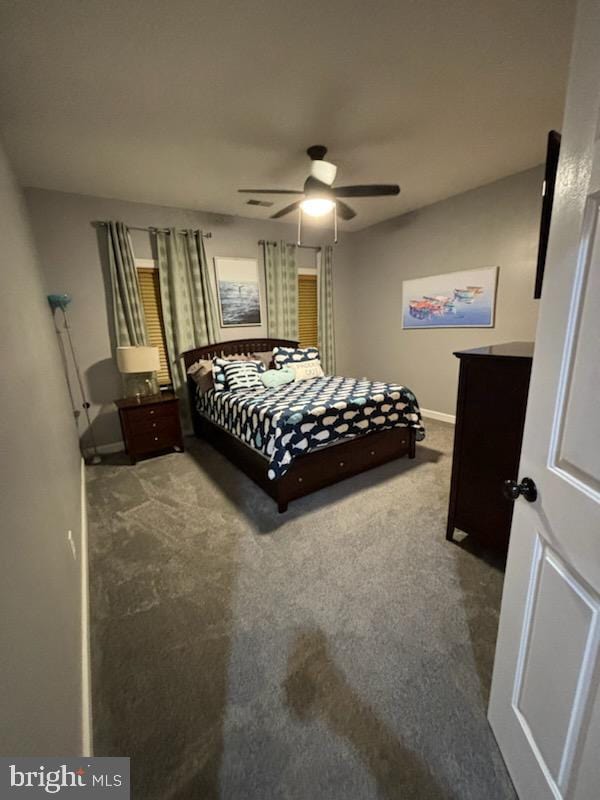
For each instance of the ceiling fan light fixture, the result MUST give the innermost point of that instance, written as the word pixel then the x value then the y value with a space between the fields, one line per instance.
pixel 317 206
pixel 323 171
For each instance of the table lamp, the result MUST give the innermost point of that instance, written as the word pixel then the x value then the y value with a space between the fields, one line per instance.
pixel 139 366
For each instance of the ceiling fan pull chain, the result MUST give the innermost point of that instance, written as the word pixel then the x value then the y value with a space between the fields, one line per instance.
pixel 335 228
pixel 300 226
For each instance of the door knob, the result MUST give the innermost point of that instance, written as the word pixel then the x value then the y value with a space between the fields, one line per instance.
pixel 526 488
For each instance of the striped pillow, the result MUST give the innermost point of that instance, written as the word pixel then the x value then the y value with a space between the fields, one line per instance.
pixel 282 356
pixel 218 363
pixel 242 376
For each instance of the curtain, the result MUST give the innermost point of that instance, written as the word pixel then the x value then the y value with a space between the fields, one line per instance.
pixel 187 298
pixel 282 290
pixel 130 328
pixel 326 333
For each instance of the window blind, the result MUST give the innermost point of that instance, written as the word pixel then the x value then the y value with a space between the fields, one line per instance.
pixel 148 279
pixel 308 326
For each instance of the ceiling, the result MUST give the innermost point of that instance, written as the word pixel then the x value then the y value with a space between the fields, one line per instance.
pixel 179 103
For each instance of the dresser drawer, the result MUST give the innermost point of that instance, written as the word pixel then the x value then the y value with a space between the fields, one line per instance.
pixel 168 435
pixel 346 458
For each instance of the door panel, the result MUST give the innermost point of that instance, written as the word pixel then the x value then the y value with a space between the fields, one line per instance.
pixel 546 686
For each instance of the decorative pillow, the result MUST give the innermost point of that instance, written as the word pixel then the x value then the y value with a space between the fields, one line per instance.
pixel 241 376
pixel 265 356
pixel 201 373
pixel 293 355
pixel 219 364
pixel 273 378
pixel 307 369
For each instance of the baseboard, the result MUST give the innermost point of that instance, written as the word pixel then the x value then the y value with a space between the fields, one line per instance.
pixel 87 742
pixel 439 415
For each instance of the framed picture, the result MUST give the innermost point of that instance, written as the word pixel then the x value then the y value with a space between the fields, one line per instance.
pixel 238 288
pixel 465 299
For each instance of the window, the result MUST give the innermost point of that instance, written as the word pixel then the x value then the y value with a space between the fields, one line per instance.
pixel 149 281
pixel 308 325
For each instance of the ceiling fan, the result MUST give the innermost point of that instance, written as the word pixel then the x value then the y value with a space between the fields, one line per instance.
pixel 319 196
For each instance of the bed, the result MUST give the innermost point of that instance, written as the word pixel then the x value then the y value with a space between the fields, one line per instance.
pixel 299 438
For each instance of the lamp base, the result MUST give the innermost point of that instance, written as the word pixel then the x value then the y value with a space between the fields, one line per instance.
pixel 140 384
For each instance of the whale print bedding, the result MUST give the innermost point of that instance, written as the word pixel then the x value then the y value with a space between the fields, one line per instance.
pixel 292 420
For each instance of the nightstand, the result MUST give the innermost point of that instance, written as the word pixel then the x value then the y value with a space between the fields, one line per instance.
pixel 151 425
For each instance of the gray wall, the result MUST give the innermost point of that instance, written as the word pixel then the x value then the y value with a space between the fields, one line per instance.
pixel 40 486
pixel 497 224
pixel 72 256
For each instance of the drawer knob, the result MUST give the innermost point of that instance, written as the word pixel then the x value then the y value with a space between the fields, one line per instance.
pixel 372 452
pixel 156 438
pixel 341 463
pixel 154 424
pixel 300 480
pixel 152 411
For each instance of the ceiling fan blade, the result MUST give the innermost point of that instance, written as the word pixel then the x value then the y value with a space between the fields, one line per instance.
pixel 344 210
pixel 286 210
pixel 271 191
pixel 373 190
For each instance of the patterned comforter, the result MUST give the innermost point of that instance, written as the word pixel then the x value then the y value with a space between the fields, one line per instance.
pixel 294 419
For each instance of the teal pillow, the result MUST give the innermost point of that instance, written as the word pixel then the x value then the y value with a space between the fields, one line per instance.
pixel 273 378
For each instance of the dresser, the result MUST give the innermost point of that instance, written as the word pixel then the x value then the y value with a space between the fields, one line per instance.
pixel 150 425
pixel 490 415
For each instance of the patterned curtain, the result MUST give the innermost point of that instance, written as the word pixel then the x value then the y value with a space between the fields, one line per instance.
pixel 282 290
pixel 130 327
pixel 188 300
pixel 326 333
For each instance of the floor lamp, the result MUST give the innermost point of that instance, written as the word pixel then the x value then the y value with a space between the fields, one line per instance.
pixel 59 302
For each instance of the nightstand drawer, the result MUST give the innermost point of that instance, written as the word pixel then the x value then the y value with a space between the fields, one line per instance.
pixel 167 436
pixel 145 423
pixel 143 414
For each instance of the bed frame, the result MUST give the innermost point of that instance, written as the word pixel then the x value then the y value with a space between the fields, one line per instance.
pixel 309 472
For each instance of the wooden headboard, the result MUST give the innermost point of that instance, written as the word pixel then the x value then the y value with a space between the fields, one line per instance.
pixel 244 346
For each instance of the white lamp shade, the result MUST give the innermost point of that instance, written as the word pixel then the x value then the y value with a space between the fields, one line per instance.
pixel 138 359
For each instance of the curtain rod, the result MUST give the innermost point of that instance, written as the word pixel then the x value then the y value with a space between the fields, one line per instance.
pixel 304 246
pixel 152 229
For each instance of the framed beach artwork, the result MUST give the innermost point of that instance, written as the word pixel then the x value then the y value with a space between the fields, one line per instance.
pixel 465 299
pixel 238 289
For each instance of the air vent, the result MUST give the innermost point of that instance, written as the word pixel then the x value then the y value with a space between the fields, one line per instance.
pixel 261 203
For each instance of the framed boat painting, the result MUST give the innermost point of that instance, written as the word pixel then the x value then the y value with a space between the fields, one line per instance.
pixel 238 288
pixel 465 299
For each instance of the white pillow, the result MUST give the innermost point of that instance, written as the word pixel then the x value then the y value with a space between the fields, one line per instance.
pixel 306 369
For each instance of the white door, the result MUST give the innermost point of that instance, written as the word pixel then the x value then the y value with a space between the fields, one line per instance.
pixel 545 701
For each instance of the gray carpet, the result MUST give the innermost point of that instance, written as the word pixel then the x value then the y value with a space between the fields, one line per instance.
pixel 342 650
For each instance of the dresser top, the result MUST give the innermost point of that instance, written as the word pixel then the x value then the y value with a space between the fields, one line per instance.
pixel 507 350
